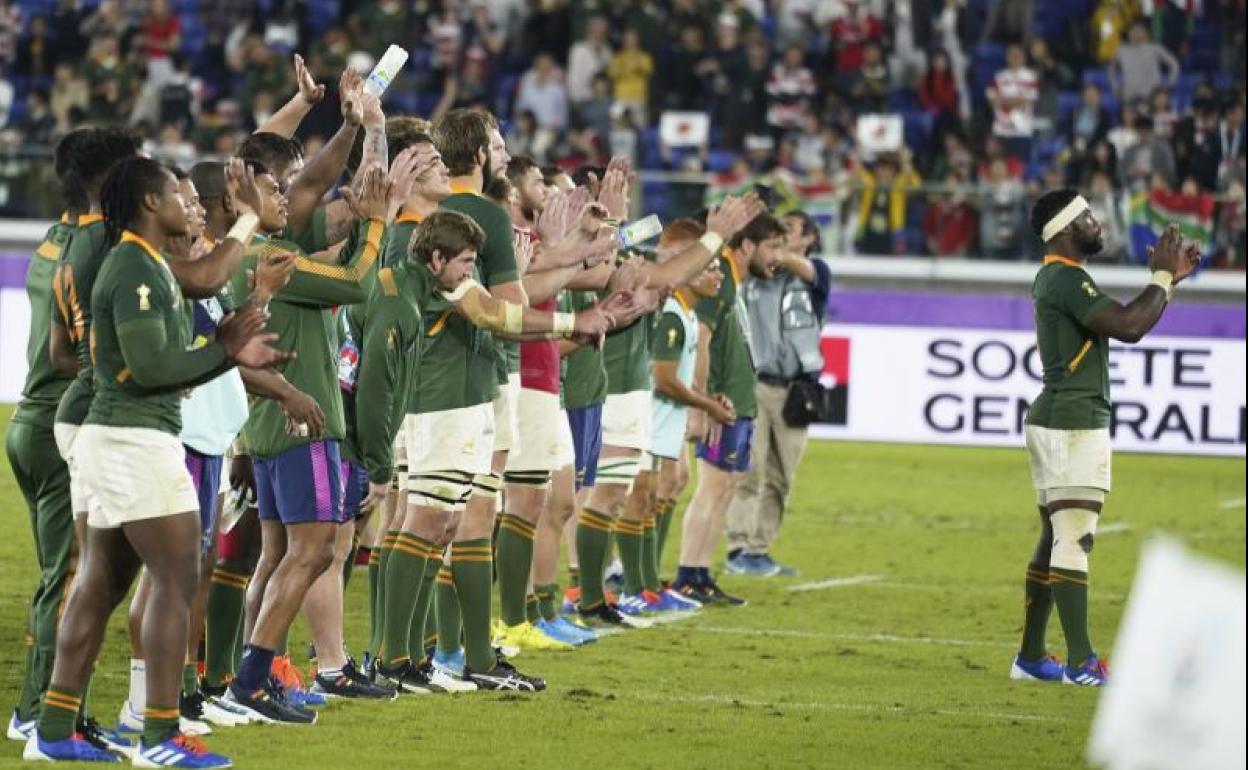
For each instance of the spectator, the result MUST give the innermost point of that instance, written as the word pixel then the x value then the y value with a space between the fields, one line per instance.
pixel 1106 208
pixel 35 51
pixel 266 73
pixel 329 53
pixel 160 36
pixel 1051 76
pixel 938 89
pixel 1009 22
pixel 745 18
pixel 373 26
pixel 172 147
pixel 107 21
pixel 482 36
pixel 726 67
pixel 446 36
pixel 548 29
pixel 1123 136
pixel 1089 123
pixel 791 88
pixel 1109 20
pixel 542 92
pixel 995 149
pixel 630 70
pixel 688 13
pixel 869 85
pixel 1012 95
pixel 812 147
pixel 1138 64
pixel 69 91
pixel 744 111
pixel 1197 144
pixel 950 224
pixel 1003 215
pixel 1148 156
pixel 884 205
pixel 954 158
pixel 39 124
pixel 469 89
pixel 911 22
pixel 595 112
pixel 10 30
pixel 850 36
pixel 1103 158
pixel 523 137
pixel 587 59
pixel 1228 235
pixel 111 80
pixel 1164 116
pixel 684 83
pixel 1230 143
pixel 623 137
pixel 66 25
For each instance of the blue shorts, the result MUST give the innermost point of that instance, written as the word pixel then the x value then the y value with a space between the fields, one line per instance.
pixel 301 485
pixel 732 452
pixel 355 481
pixel 586 425
pixel 205 472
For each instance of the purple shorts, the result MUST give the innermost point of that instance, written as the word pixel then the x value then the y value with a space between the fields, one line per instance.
pixel 732 452
pixel 301 485
pixel 586 425
pixel 355 489
pixel 205 472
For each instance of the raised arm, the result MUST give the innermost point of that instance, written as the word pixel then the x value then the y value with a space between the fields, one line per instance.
pixel 322 172
pixel 285 122
pixel 721 224
pixel 1171 261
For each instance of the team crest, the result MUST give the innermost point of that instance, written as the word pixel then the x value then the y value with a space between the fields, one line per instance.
pixel 144 293
pixel 1089 288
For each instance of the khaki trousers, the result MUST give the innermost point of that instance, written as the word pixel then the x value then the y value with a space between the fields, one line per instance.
pixel 757 508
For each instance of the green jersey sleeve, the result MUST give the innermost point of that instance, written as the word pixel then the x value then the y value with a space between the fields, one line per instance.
pixel 318 283
pixel 669 338
pixel 381 392
pixel 1075 293
pixel 314 236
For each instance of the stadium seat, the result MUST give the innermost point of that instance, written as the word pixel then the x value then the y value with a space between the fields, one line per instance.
pixel 1098 76
pixel 719 161
pixel 917 128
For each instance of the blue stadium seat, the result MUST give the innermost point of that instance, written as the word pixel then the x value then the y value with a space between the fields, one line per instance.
pixel 917 128
pixel 1099 76
pixel 719 161
pixel 650 155
pixel 1067 103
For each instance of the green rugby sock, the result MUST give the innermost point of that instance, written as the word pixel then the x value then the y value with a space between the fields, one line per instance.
pixel 574 577
pixel 374 579
pixel 1039 605
pixel 190 678
pixel 223 621
pixel 160 723
pixel 663 519
pixel 60 712
pixel 446 612
pixel 1070 594
pixel 514 557
pixel 629 536
pixel 404 574
pixel 593 531
pixel 379 602
pixel 650 556
pixel 531 611
pixel 349 565
pixel 420 615
pixel 548 600
pixel 472 569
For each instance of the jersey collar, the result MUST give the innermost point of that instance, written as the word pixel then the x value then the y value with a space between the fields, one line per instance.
pixel 460 188
pixel 730 256
pixel 129 236
pixel 1059 259
pixel 409 217
pixel 681 301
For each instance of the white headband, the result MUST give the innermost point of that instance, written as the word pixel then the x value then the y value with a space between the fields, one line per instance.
pixel 1061 219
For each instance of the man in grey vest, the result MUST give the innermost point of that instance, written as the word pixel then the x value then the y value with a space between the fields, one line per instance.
pixel 786 315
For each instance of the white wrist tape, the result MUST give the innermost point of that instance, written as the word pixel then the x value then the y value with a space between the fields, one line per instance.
pixel 1164 279
pixel 711 242
pixel 1069 213
pixel 244 228
pixel 564 323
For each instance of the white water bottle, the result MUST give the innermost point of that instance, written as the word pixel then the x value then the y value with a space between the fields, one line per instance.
pixel 640 231
pixel 386 71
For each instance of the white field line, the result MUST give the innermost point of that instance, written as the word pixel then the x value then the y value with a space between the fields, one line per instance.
pixel 1233 503
pixel 819 585
pixel 887 638
pixel 1113 528
pixel 729 700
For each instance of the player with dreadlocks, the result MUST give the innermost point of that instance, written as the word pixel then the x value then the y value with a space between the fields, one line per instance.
pixel 144 510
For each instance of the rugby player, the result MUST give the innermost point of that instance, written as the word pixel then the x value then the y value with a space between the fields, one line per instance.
pixel 1068 439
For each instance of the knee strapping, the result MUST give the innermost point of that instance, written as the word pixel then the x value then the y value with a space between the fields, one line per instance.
pixel 533 479
pixel 1074 531
pixel 486 485
pixel 445 490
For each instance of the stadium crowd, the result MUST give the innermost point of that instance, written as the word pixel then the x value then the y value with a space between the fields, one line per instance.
pixel 1121 98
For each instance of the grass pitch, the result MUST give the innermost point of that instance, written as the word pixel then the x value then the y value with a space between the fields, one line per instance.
pixel 894 655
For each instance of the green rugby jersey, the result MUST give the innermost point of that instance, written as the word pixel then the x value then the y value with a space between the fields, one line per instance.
pixel 496 263
pixel 732 364
pixel 300 315
pixel 626 356
pixel 390 356
pixel 80 265
pixel 584 370
pixel 313 237
pixel 141 340
pixel 1075 358
pixel 45 384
